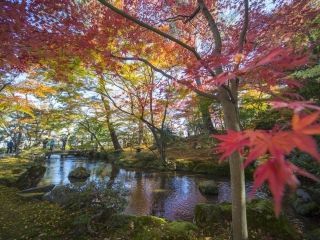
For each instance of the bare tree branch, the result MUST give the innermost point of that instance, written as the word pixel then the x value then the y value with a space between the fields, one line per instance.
pixel 184 18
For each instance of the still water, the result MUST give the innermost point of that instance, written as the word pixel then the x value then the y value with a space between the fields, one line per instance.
pixel 165 194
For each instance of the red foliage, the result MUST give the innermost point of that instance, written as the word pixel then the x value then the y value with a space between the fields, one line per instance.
pixel 274 146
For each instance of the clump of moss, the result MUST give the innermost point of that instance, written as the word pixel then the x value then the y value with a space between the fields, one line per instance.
pixel 314 234
pixel 215 169
pixel 208 187
pixel 262 223
pixel 20 172
pixel 185 165
pixel 150 228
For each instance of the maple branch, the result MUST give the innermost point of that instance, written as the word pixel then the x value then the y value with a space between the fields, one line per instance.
pixel 193 15
pixel 106 94
pixel 242 39
pixel 218 44
pixel 4 86
pixel 196 90
pixel 165 113
pixel 212 25
pixel 187 18
pixel 149 27
pixel 244 30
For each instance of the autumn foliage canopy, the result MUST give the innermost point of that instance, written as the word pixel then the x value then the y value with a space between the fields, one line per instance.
pixel 213 55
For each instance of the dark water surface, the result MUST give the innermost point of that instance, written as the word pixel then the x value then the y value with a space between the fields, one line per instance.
pixel 165 194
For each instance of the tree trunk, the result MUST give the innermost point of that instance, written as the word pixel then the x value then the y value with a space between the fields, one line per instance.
pixel 204 104
pixel 206 119
pixel 161 145
pixel 113 134
pixel 239 218
pixel 17 141
pixel 140 133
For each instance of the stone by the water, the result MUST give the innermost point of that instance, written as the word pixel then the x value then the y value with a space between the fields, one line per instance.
pixel 45 189
pixel 209 187
pixel 79 173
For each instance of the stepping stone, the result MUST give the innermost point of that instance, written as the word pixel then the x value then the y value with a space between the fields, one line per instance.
pixel 41 189
pixel 37 195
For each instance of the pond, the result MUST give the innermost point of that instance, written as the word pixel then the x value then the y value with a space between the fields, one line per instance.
pixel 171 195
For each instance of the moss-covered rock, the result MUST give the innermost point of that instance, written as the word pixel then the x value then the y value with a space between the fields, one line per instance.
pixel 11 168
pixel 150 228
pixel 20 172
pixel 314 234
pixel 315 193
pixel 31 177
pixel 182 230
pixel 262 222
pixel 79 173
pixel 303 208
pixel 208 187
pixel 185 165
pixel 145 156
pixel 214 169
pixel 36 195
pixel 143 160
pixel 207 214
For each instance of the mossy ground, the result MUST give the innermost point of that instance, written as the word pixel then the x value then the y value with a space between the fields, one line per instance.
pixel 25 219
pixel 32 219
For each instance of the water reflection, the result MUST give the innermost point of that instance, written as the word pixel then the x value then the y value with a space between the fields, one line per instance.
pixel 169 195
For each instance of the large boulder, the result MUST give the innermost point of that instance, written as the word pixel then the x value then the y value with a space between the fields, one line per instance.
pixel 35 192
pixel 208 187
pixel 212 168
pixel 31 177
pixel 262 222
pixel 80 173
pixel 59 194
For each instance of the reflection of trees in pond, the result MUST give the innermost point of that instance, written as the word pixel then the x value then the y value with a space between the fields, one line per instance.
pixel 160 195
pixel 113 175
pixel 140 196
pixel 61 171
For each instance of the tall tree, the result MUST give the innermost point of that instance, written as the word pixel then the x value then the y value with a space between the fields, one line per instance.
pixel 226 65
pixel 215 48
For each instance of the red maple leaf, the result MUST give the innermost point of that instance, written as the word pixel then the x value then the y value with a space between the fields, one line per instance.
pixel 276 145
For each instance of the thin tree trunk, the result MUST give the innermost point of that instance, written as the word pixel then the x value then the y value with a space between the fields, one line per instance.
pixel 239 218
pixel 112 131
pixel 204 105
pixel 93 135
pixel 140 133
pixel 161 145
